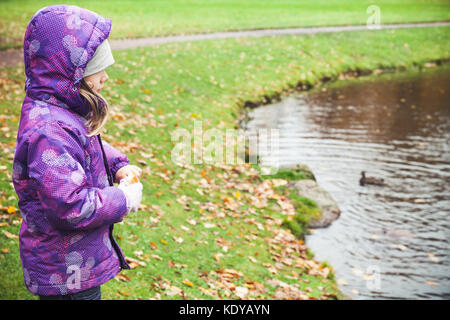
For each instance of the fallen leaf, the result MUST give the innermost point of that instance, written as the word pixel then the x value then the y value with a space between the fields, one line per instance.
pixel 173 290
pixel 188 283
pixel 134 263
pixel 290 292
pixel 208 292
pixel 126 294
pixel 9 235
pixel 122 277
pixel 11 209
pixel 178 239
pixel 209 225
pixel 241 292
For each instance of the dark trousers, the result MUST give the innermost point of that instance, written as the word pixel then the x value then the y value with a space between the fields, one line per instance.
pixel 89 294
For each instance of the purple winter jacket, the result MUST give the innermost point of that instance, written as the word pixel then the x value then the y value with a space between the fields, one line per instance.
pixel 64 183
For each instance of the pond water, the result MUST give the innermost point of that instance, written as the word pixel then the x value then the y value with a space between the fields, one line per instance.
pixel 390 242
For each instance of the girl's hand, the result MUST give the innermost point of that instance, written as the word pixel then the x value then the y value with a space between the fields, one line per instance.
pixel 133 194
pixel 123 172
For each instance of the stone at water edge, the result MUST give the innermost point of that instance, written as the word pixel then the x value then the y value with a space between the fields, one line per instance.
pixel 330 210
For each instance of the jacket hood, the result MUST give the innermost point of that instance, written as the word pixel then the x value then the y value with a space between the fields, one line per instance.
pixel 59 42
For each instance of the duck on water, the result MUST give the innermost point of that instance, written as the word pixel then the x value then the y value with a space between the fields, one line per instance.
pixel 370 180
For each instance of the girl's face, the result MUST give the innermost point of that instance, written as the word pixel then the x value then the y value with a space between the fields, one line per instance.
pixel 95 81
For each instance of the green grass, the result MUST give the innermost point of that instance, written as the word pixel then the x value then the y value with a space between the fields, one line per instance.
pixel 306 210
pixel 162 88
pixel 157 18
pixel 291 174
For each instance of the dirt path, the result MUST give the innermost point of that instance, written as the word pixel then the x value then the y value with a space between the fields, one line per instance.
pixel 15 57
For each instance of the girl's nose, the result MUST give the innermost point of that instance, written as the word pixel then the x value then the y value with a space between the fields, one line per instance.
pixel 105 77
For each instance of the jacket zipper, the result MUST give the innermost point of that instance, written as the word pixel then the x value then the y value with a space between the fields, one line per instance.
pixel 123 263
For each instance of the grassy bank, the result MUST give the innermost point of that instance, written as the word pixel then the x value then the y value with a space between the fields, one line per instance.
pixel 208 231
pixel 156 18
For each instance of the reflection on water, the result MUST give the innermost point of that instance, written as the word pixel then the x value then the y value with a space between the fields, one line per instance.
pixel 390 242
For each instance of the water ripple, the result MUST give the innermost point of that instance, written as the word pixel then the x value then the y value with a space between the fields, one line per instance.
pixel 393 126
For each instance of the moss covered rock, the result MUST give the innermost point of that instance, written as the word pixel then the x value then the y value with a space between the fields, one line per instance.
pixel 329 208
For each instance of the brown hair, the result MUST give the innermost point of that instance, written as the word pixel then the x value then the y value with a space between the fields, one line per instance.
pixel 100 109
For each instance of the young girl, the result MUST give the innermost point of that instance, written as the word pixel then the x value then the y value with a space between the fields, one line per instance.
pixel 62 172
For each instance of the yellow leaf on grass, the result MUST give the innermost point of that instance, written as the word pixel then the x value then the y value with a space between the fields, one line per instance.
pixel 217 256
pixel 164 241
pixel 126 294
pixel 11 209
pixel 188 283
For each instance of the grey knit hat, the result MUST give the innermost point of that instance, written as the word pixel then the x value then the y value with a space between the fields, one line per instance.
pixel 101 59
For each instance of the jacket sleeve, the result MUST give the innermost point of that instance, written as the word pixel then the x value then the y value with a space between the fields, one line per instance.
pixel 115 158
pixel 55 158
